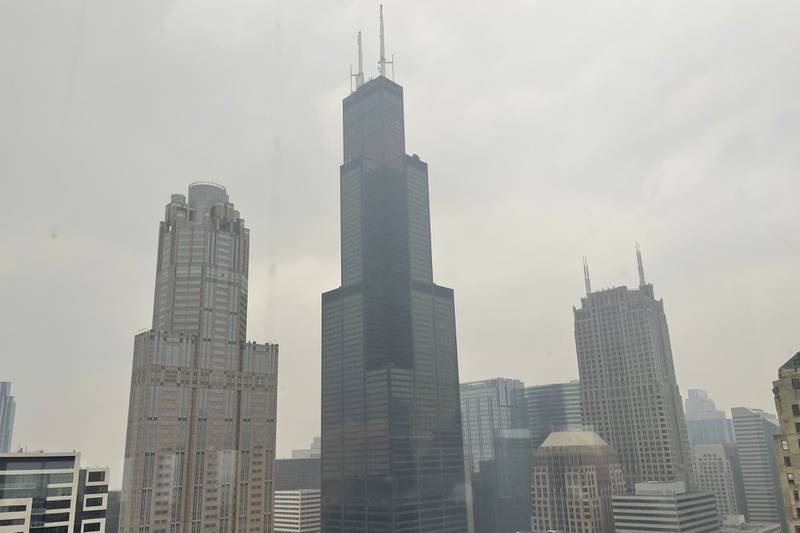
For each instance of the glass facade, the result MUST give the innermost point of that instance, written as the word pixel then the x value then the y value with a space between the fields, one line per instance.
pixel 392 457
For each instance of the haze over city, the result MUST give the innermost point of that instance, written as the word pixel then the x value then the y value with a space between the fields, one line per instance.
pixel 552 132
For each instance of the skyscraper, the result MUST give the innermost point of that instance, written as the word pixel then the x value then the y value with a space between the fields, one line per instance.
pixel 497 448
pixel 787 444
pixel 553 407
pixel 8 408
pixel 714 472
pixel 200 444
pixel 630 393
pixel 754 431
pixel 705 423
pixel 575 476
pixel 392 457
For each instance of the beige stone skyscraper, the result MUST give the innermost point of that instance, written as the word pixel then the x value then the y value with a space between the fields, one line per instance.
pixel 200 447
pixel 630 392
pixel 787 443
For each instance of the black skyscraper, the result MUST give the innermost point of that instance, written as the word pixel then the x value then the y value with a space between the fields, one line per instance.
pixel 392 457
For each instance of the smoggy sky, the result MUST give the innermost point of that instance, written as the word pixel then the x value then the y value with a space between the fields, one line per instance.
pixel 553 130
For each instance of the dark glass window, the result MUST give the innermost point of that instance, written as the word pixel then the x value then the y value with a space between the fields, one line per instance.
pixel 787 461
pixel 12 508
pixel 58 504
pixel 56 517
pixel 795 409
pixel 94 502
pixel 93 514
pixel 796 383
pixel 12 522
pixel 97 476
pixel 797 427
pixel 97 489
pixel 92 526
pixel 51 463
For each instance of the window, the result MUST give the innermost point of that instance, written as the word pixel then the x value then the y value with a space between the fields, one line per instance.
pixel 795 409
pixel 787 461
pixel 796 383
pixel 797 427
pixel 790 477
pixel 95 502
pixel 101 476
pixel 785 445
pixel 93 526
pixel 796 496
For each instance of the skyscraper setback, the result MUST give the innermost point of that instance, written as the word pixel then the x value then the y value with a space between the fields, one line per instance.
pixel 630 393
pixel 200 444
pixel 392 457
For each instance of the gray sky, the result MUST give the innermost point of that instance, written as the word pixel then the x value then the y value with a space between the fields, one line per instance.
pixel 552 129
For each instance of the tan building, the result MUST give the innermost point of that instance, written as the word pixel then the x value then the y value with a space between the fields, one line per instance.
pixel 713 472
pixel 787 442
pixel 200 447
pixel 574 478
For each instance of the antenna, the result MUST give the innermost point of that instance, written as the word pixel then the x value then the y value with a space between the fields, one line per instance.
pixel 642 282
pixel 586 279
pixel 382 59
pixel 359 76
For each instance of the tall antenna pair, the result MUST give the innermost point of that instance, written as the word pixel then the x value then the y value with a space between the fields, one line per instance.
pixel 382 61
pixel 588 283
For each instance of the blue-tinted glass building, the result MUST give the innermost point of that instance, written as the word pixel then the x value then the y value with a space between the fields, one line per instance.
pixel 392 457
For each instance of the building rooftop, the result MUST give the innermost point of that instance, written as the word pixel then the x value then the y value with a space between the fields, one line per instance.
pixel 573 438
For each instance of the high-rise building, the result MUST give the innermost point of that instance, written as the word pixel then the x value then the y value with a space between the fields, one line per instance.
pixel 754 432
pixel 787 443
pixel 630 393
pixel 8 408
pixel 713 467
pixel 666 507
pixel 575 476
pixel 494 417
pixel 315 450
pixel 553 407
pixel 705 423
pixel 200 444
pixel 392 456
pixel 44 492
pixel 297 495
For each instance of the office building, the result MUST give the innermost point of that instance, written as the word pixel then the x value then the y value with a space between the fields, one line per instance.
pixel 50 493
pixel 754 432
pixel 667 507
pixel 704 422
pixel 738 524
pixel 297 495
pixel 200 445
pixel 315 450
pixel 786 444
pixel 553 407
pixel 630 393
pixel 392 455
pixel 575 475
pixel 494 417
pixel 8 408
pixel 713 466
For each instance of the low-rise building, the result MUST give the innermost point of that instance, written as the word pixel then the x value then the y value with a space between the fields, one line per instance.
pixel 667 507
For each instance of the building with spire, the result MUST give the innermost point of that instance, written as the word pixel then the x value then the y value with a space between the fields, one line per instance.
pixel 630 392
pixel 200 445
pixel 392 456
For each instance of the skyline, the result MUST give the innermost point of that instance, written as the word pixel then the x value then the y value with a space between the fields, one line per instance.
pixel 295 243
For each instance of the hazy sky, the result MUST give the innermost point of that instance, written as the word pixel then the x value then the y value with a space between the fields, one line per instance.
pixel 553 130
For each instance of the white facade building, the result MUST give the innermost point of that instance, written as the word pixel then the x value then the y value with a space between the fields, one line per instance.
pixel 297 511
pixel 666 507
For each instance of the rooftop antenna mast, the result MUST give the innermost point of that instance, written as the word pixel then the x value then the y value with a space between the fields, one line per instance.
pixel 642 281
pixel 359 76
pixel 586 281
pixel 382 60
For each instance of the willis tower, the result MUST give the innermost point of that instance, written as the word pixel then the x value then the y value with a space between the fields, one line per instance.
pixel 392 456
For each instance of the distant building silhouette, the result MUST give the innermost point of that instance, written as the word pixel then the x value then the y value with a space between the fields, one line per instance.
pixel 497 448
pixel 8 408
pixel 553 407
pixel 705 423
pixel 200 444
pixel 630 393
pixel 755 431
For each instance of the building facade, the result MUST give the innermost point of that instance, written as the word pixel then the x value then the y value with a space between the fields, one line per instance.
pixel 494 417
pixel 713 466
pixel 50 493
pixel 553 407
pixel 738 524
pixel 200 445
pixel 666 507
pixel 297 495
pixel 704 422
pixel 630 392
pixel 8 408
pixel 575 475
pixel 392 455
pixel 787 443
pixel 754 431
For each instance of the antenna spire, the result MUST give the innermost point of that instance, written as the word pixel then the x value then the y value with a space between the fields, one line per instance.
pixel 359 76
pixel 382 59
pixel 586 281
pixel 642 281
